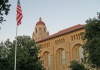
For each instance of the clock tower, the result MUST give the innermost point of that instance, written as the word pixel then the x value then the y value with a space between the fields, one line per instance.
pixel 40 31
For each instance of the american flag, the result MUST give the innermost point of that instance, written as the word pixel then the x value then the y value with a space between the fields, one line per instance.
pixel 19 13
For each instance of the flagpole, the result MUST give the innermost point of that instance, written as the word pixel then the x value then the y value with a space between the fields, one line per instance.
pixel 18 18
pixel 16 47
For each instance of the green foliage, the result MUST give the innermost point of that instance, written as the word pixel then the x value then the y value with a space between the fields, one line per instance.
pixel 4 9
pixel 3 64
pixel 92 45
pixel 27 54
pixel 4 48
pixel 75 65
pixel 92 29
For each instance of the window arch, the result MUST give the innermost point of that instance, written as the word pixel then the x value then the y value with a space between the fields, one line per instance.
pixel 78 52
pixel 36 30
pixel 61 56
pixel 72 38
pixel 44 30
pixel 59 41
pixel 79 36
pixel 76 37
pixel 61 59
pixel 46 60
pixel 40 29
pixel 63 39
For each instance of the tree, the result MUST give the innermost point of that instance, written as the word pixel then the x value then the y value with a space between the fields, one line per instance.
pixel 4 9
pixel 27 54
pixel 92 45
pixel 3 55
pixel 75 65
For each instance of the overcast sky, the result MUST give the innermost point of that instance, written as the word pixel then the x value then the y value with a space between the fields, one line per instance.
pixel 57 15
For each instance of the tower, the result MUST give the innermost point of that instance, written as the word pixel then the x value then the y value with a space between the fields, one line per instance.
pixel 40 31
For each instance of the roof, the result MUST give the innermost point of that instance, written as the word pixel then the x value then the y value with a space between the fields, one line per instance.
pixel 65 31
pixel 40 22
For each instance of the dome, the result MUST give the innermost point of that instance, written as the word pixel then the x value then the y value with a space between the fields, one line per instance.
pixel 40 22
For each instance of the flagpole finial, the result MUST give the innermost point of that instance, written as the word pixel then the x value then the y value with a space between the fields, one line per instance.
pixel 40 19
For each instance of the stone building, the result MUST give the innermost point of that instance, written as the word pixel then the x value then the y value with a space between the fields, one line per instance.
pixel 59 49
pixel 40 31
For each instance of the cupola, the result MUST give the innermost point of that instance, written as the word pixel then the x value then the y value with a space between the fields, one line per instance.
pixel 40 22
pixel 40 31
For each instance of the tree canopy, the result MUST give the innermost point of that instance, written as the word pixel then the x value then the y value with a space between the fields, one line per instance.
pixel 75 65
pixel 92 45
pixel 4 9
pixel 27 55
pixel 91 39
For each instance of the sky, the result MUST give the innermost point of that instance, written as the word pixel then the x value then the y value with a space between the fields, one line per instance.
pixel 56 14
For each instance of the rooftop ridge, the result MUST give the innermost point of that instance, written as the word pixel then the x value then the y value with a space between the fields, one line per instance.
pixel 64 31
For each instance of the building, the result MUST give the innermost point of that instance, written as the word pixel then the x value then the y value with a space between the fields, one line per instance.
pixel 59 49
pixel 40 31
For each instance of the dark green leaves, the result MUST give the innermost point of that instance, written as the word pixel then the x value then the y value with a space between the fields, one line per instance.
pixel 27 55
pixel 75 65
pixel 4 9
pixel 92 45
pixel 92 29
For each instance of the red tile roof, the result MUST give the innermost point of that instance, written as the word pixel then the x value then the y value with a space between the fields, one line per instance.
pixel 40 23
pixel 65 31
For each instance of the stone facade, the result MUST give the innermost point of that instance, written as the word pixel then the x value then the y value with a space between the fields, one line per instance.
pixel 40 31
pixel 59 49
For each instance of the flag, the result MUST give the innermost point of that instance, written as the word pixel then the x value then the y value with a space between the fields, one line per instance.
pixel 19 13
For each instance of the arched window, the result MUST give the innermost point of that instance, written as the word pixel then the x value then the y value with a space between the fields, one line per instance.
pixel 79 36
pixel 78 53
pixel 60 57
pixel 46 60
pixel 36 30
pixel 40 29
pixel 76 37
pixel 44 30
pixel 73 37
pixel 47 45
pixel 63 39
pixel 63 57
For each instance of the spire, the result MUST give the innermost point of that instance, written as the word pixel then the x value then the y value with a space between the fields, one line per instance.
pixel 40 19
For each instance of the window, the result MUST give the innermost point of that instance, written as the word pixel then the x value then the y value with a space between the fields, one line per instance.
pixel 63 57
pixel 72 38
pixel 48 59
pixel 44 30
pixel 63 40
pixel 36 30
pixel 76 37
pixel 78 53
pixel 81 53
pixel 40 29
